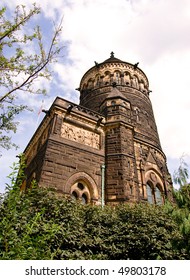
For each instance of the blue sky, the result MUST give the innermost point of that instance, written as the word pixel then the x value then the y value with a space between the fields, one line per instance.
pixel 155 33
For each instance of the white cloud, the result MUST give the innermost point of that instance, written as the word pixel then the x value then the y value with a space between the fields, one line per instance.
pixel 171 101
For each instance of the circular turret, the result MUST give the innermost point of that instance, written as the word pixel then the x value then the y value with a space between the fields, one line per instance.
pixel 130 81
pixel 96 82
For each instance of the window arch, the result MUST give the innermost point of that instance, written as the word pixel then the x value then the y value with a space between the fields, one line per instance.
pixel 117 76
pixel 90 83
pixel 80 191
pixel 127 78
pixel 82 180
pixel 106 78
pixel 135 82
pixel 154 195
pixel 141 85
pixel 154 187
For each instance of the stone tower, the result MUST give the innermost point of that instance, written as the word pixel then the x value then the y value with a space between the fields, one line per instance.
pixel 107 148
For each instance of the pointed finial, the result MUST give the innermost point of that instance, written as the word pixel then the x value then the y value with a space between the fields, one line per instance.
pixel 136 65
pixel 112 55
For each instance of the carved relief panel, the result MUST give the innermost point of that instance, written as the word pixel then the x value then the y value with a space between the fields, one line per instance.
pixel 80 135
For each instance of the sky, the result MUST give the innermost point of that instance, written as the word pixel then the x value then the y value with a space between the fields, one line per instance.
pixel 155 33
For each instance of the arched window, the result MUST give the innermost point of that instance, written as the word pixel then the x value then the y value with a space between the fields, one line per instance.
pixel 80 191
pixel 117 77
pixel 154 195
pixel 149 191
pixel 127 79
pixel 107 78
pixel 137 114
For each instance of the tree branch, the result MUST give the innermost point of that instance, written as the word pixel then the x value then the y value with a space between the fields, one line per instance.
pixel 21 22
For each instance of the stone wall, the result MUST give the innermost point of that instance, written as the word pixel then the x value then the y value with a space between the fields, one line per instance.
pixel 69 148
pixel 64 158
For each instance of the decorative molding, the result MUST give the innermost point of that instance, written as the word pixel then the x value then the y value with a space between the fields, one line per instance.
pixel 120 67
pixel 38 141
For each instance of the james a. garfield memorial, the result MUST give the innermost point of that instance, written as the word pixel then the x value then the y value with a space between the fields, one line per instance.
pixel 106 150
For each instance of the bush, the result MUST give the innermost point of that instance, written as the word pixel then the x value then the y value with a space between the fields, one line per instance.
pixel 40 224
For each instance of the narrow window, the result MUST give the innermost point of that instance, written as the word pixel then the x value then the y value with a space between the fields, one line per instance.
pixel 129 165
pixel 137 113
pixel 131 190
pixel 149 193
pixel 158 196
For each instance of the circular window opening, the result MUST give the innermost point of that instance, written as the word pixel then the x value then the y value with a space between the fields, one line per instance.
pixel 80 186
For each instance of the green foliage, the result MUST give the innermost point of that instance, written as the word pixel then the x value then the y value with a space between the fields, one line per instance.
pixel 41 224
pixel 181 174
pixel 21 66
pixel 141 231
pixel 180 212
